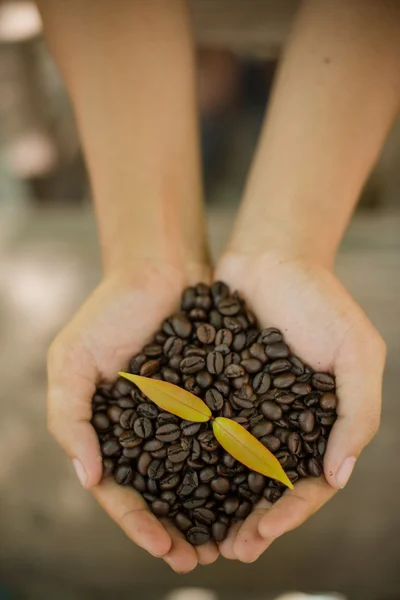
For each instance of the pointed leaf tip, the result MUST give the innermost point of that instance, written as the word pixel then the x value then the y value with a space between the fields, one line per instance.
pixel 171 398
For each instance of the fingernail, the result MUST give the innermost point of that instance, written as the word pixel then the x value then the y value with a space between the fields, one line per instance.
pixel 344 471
pixel 80 471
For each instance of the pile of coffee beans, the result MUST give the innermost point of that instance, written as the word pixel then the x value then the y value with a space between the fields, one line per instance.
pixel 214 349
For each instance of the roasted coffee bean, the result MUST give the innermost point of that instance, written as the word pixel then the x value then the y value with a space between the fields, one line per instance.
pixel 321 446
pixel 173 467
pixel 132 452
pixel 243 510
pixel 128 401
pixel 210 458
pixel 328 401
pixel 192 364
pixel 198 535
pixel 306 421
pixel 294 443
pixel 312 399
pixel 314 467
pixel 284 381
pixel 205 333
pixel 301 389
pixel 262 428
pixel 285 398
pixel 215 319
pixel 162 453
pixel 181 325
pixel 196 449
pixel 297 366
pixel 230 505
pixel 220 485
pixel 160 508
pixel 224 336
pixel 175 362
pixel 233 358
pixel 256 482
pixel 207 474
pixel 233 371
pixel 108 467
pixel 143 427
pixel 198 314
pixel 257 350
pixel 219 291
pixel 327 419
pixel 192 386
pixel 323 382
pixel 239 341
pixel 139 483
pixel 214 399
pixel 219 531
pixel 227 411
pixel 122 387
pixel 168 432
pixel 233 324
pixel 183 522
pixel 272 494
pixel 204 516
pixel 302 468
pixel 148 410
pixel 150 498
pixel 207 440
pixel 306 376
pixel 114 413
pixel 152 487
pixel 239 403
pixel 153 350
pixel 136 363
pixel 190 428
pixel 203 302
pixel 271 335
pixel 153 445
pixel 171 376
pixel 101 422
pixel 279 366
pixel 129 439
pixel 156 469
pixel 261 383
pixel 251 365
pixel 229 306
pixel 204 379
pixel 189 483
pixel 271 442
pixel 277 350
pixel 150 367
pixel 188 298
pixel 222 349
pixel 271 411
pixel 143 463
pixel 313 435
pixel 202 491
pixel 215 363
pixel 177 454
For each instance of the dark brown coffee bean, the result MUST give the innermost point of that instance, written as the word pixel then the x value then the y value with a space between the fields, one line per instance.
pixel 198 535
pixel 284 381
pixel 220 485
pixel 271 411
pixel 233 358
pixel 215 363
pixel 172 467
pixel 188 298
pixel 192 364
pixel 314 467
pixel 327 419
pixel 271 442
pixel 306 421
pixel 129 439
pixel 234 324
pixel 162 453
pixel 233 371
pixel 150 367
pixel 143 427
pixel 202 491
pixel 190 428
pixel 256 482
pixel 202 289
pixel 143 463
pixel 127 401
pixel 302 468
pixel 214 399
pixel 197 315
pixel 153 350
pixel 277 350
pixel 189 483
pixel 257 351
pixel 215 319
pixel 227 411
pixel 204 516
pixel 301 389
pixel 279 366
pixel 219 531
pixel 172 346
pixel 285 398
pixel 251 365
pixel 168 432
pixel 192 386
pixel 271 335
pixel 207 474
pixel 262 428
pixel 114 413
pixel 101 422
pixel 177 454
pixel 139 483
pixel 150 498
pixel 136 363
pixel 132 452
pixel 148 410
pixel 210 458
pixel 152 487
pixel 230 505
pixel 229 306
pixel 323 382
pixel 196 449
pixel 207 440
pixel 328 401
pixel 282 434
pixel 239 341
pixel 297 366
pixel 321 446
pixel 181 325
pixel 156 469
pixel 219 291
pixel 313 435
pixel 222 349
pixel 272 494
pixel 183 522
pixel 160 508
pixel 153 445
pixel 204 379
pixel 261 383
pixel 224 336
pixel 171 376
pixel 203 302
pixel 243 510
pixel 294 443
pixel 108 467
pixel 205 333
pixel 122 387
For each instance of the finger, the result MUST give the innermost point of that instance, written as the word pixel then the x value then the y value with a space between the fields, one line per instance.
pixel 207 553
pixel 249 544
pixel 71 385
pixel 359 371
pixel 295 507
pixel 129 510
pixel 226 547
pixel 182 557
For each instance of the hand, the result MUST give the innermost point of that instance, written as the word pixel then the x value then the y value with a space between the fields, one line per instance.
pixel 325 328
pixel 114 323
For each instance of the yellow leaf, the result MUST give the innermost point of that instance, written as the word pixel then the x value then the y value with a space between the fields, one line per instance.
pixel 248 450
pixel 172 398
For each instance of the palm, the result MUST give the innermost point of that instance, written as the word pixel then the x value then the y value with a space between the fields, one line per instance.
pixel 112 326
pixel 327 330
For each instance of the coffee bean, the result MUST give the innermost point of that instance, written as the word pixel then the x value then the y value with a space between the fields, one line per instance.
pixel 215 363
pixel 183 522
pixel 172 346
pixel 294 443
pixel 108 467
pixel 224 336
pixel 160 508
pixel 214 399
pixel 207 474
pixel 189 483
pixel 239 341
pixel 233 371
pixel 122 387
pixel 198 535
pixel 188 298
pixel 173 467
pixel 277 350
pixel 152 487
pixel 251 365
pixel 156 469
pixel 129 439
pixel 205 333
pixel 136 363
pixel 143 463
pixel 161 453
pixel 132 452
pixel 261 383
pixel 321 446
pixel 143 427
pixel 272 494
pixel 202 491
pixel 313 435
pixel 192 386
pixel 279 366
pixel 210 458
pixel 181 325
pixel 196 449
pixel 284 381
pixel 302 468
pixel 328 401
pixel 100 421
pixel 314 467
pixel 177 454
pixel 215 319
pixel 256 482
pixel 203 302
pixel 271 335
pixel 204 516
pixel 271 411
pixel 198 314
pixel 219 291
pixel 219 531
pixel 148 410
pixel 243 510
pixel 262 428
pixel 114 413
pixel 190 428
pixel 230 505
pixel 168 432
pixel 150 367
pixel 139 483
pixel 204 379
pixel 207 440
pixel 229 306
pixel 220 485
pixel 233 324
pixel 153 350
pixel 153 445
pixel 192 350
pixel 271 442
pixel 306 421
pixel 192 364
pixel 323 382
pixel 227 411
pixel 257 351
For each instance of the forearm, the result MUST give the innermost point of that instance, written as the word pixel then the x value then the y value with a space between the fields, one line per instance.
pixel 129 69
pixel 336 96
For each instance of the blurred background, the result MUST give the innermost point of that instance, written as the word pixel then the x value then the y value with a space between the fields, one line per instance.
pixel 55 542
